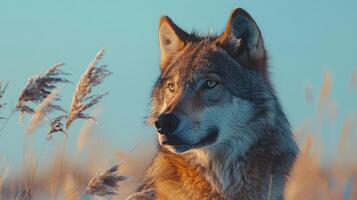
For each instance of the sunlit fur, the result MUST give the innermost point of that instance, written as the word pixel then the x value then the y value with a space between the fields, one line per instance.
pixel 254 149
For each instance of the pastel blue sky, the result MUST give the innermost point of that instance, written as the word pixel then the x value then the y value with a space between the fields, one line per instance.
pixel 303 38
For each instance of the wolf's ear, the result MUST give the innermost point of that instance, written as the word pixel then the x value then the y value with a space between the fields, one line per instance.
pixel 243 40
pixel 172 40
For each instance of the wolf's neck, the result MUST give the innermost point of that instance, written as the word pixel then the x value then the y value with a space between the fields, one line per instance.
pixel 222 172
pixel 232 173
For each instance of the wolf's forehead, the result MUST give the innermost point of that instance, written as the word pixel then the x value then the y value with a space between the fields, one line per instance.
pixel 198 58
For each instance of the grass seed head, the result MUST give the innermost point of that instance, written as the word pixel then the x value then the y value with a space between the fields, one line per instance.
pixel 82 98
pixel 2 92
pixel 39 87
pixel 56 126
pixel 40 112
pixel 105 184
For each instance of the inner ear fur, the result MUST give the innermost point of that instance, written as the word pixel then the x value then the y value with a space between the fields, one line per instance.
pixel 172 40
pixel 242 39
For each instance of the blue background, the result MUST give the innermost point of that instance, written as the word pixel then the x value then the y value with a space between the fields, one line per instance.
pixel 304 38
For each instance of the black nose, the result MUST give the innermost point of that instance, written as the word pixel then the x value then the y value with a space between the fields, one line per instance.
pixel 166 124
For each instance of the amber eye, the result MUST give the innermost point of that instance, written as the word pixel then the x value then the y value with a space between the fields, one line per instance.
pixel 171 87
pixel 210 84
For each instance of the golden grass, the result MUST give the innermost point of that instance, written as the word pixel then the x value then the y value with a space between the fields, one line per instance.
pixel 82 98
pixel 40 113
pixel 3 176
pixel 86 131
pixel 309 179
pixel 38 88
pixel 70 188
pixel 353 81
pixel 2 92
pixel 106 183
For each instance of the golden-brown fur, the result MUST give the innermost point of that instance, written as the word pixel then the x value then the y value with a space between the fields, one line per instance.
pixel 175 178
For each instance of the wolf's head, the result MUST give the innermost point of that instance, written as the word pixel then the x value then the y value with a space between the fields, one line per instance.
pixel 213 91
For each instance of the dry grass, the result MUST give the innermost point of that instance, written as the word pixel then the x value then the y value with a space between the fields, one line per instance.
pixel 38 88
pixel 82 98
pixel 3 176
pixel 70 187
pixel 325 91
pixel 86 131
pixel 309 179
pixel 148 194
pixel 106 183
pixel 56 126
pixel 2 92
pixel 309 94
pixel 353 81
pixel 41 90
pixel 40 112
pixel 307 167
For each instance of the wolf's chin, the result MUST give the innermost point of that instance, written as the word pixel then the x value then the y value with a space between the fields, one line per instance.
pixel 180 149
pixel 210 138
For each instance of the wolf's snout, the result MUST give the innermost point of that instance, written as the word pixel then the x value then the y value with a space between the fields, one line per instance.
pixel 166 124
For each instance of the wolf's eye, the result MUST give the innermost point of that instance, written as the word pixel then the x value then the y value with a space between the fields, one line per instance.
pixel 210 84
pixel 171 87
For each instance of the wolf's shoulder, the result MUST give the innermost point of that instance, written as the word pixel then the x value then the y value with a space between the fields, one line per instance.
pixel 173 177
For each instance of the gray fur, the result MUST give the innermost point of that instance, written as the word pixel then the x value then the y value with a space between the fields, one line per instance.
pixel 255 148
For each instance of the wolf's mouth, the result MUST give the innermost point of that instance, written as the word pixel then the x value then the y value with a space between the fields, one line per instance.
pixel 173 141
pixel 209 139
pixel 177 142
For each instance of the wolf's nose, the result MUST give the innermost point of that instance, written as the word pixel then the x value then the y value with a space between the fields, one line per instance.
pixel 166 124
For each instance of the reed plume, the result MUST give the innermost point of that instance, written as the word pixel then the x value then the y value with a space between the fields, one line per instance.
pixel 40 112
pixel 70 188
pixel 2 92
pixel 56 125
pixel 39 87
pixel 105 184
pixel 24 194
pixel 82 98
pixel 148 194
pixel 307 180
pixel 325 90
pixel 3 175
pixel 353 81
pixel 86 131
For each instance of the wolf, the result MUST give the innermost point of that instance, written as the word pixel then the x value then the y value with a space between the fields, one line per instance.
pixel 221 130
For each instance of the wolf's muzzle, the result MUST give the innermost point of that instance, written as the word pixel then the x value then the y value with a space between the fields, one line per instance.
pixel 167 123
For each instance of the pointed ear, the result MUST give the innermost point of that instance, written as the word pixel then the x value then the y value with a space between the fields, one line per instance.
pixel 172 40
pixel 243 40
